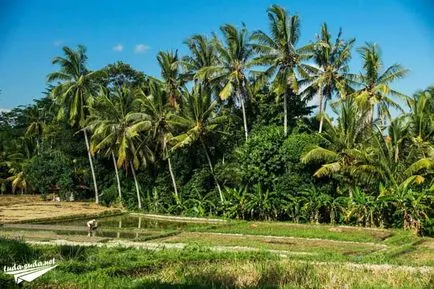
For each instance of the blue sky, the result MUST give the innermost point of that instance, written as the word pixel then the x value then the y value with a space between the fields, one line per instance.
pixel 33 32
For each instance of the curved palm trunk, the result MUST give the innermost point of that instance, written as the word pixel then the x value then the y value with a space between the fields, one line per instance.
pixel 212 171
pixel 285 112
pixel 172 175
pixel 91 167
pixel 139 201
pixel 117 177
pixel 241 99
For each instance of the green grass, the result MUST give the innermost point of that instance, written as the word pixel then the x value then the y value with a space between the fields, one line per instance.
pixel 197 267
pixel 355 234
pixel 317 256
pixel 323 250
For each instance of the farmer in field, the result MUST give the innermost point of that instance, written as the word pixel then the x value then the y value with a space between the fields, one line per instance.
pixel 91 227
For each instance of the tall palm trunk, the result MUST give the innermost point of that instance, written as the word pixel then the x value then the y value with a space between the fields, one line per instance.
pixel 139 201
pixel 91 167
pixel 117 177
pixel 212 171
pixel 371 114
pixel 321 112
pixel 285 112
pixel 241 99
pixel 173 178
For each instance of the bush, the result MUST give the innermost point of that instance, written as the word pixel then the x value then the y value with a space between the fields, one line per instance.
pixel 199 185
pixel 297 177
pixel 51 169
pixel 7 281
pixel 109 196
pixel 297 144
pixel 259 156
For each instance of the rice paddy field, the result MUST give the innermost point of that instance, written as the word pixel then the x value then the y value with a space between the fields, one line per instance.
pixel 152 251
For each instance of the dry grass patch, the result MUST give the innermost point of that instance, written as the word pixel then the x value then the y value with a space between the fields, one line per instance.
pixel 6 200
pixel 33 209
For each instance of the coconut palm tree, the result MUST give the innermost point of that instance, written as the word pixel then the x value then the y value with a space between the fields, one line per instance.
pixel 345 140
pixel 117 125
pixel 202 54
pixel 157 106
pixel 74 91
pixel 234 60
pixel 421 118
pixel 374 90
pixel 279 52
pixel 384 162
pixel 331 59
pixel 197 120
pixel 36 124
pixel 170 72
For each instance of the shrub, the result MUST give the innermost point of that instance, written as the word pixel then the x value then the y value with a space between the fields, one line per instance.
pixel 51 169
pixel 12 251
pixel 259 156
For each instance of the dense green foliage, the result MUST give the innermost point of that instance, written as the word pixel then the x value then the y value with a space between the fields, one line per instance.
pixel 228 130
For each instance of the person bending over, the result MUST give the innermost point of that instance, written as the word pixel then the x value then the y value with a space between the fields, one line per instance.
pixel 91 227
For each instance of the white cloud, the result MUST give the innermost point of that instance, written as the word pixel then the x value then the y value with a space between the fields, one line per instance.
pixel 4 110
pixel 57 43
pixel 118 48
pixel 141 48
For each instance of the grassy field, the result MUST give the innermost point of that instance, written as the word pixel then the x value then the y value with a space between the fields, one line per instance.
pixel 233 254
pixel 198 267
pixel 341 233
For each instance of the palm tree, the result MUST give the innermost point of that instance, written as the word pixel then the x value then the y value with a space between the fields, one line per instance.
pixel 74 91
pixel 157 106
pixel 117 124
pixel 170 72
pixel 345 140
pixel 375 91
pixel 279 52
pixel 36 118
pixel 234 59
pixel 421 118
pixel 197 119
pixel 202 54
pixel 17 164
pixel 332 68
pixel 384 163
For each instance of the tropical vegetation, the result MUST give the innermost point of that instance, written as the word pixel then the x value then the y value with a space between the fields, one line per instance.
pixel 247 125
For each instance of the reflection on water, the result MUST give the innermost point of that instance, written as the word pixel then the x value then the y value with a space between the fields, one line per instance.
pixel 132 227
pixel 134 221
pixel 108 234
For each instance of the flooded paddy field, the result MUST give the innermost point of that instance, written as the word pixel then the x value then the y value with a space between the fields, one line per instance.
pixel 134 227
